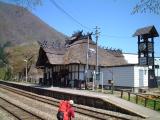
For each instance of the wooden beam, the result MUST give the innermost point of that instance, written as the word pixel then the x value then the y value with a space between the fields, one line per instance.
pixel 139 53
pixel 71 71
pixel 78 71
pixel 84 71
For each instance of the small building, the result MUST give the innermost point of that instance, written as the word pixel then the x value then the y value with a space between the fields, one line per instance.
pixel 132 58
pixel 130 76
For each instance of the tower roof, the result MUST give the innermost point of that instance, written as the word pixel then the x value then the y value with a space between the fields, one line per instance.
pixel 149 31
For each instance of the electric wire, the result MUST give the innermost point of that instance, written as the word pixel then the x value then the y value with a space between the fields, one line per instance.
pixel 70 16
pixel 79 23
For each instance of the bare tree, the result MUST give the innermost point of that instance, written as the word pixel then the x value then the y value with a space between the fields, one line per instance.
pixel 145 6
pixel 27 4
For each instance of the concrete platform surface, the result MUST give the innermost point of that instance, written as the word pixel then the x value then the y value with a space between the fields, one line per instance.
pixel 147 113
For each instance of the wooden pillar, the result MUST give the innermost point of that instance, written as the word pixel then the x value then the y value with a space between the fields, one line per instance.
pixel 139 54
pixel 71 72
pixel 84 71
pixel 137 99
pixel 44 75
pixel 152 41
pixel 129 94
pixel 147 52
pixel 145 101
pixel 68 74
pixel 154 106
pixel 52 76
pixel 121 93
pixel 78 71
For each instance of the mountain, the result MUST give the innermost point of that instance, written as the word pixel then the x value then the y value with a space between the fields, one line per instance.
pixel 23 30
pixel 20 26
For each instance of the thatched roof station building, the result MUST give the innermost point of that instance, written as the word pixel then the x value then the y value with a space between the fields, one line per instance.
pixel 65 63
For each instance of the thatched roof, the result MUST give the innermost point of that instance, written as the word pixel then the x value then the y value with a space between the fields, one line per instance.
pixel 76 53
pixel 149 31
pixel 51 56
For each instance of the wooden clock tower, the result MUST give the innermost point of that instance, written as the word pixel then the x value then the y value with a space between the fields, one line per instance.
pixel 146 51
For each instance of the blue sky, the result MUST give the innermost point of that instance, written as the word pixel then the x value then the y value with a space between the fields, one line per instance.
pixel 113 17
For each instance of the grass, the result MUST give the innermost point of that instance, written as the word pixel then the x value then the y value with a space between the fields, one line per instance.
pixel 141 101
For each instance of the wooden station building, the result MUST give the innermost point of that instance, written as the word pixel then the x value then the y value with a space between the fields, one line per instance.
pixel 64 64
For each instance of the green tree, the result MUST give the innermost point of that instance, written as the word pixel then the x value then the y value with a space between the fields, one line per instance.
pixel 3 54
pixel 5 70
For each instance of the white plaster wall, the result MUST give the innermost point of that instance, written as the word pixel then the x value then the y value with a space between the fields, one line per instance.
pixel 137 77
pixel 157 62
pixel 125 76
pixel 122 76
pixel 131 58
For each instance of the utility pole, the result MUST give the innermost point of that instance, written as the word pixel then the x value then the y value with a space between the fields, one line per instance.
pixel 97 34
pixel 26 60
pixel 86 71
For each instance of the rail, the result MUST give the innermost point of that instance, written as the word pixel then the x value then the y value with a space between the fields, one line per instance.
pixel 18 112
pixel 85 100
pixel 85 110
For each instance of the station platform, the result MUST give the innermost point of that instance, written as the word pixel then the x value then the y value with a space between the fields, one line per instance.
pixel 144 112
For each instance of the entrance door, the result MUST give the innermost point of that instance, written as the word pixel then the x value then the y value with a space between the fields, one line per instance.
pixel 141 78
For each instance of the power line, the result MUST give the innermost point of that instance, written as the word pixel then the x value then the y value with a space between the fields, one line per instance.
pixel 115 36
pixel 70 16
pixel 79 23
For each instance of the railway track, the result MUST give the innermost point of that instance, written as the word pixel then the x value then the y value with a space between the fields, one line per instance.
pixel 17 112
pixel 80 109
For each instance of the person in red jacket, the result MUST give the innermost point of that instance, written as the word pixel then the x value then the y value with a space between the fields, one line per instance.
pixel 69 114
pixel 66 110
pixel 62 111
pixel 71 110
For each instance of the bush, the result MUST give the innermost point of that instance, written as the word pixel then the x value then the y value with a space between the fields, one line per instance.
pixel 2 73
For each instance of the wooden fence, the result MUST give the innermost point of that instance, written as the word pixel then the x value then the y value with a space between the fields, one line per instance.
pixel 141 98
